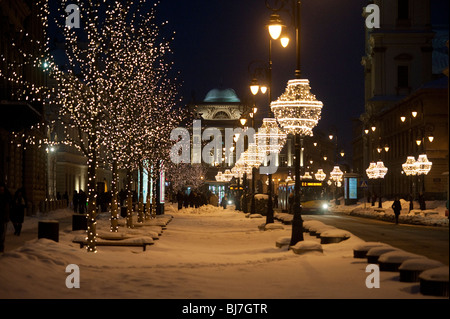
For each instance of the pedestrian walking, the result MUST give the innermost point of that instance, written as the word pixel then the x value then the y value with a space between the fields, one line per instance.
pixel 397 207
pixel 180 200
pixel 75 200
pixel 224 201
pixel 17 216
pixel 66 198
pixel 5 202
pixel 422 202
pixel 82 198
pixel 291 202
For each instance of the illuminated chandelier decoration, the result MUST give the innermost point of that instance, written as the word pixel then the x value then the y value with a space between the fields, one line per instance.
pixel 377 170
pixel 219 177
pixel 241 167
pixel 320 175
pixel 297 109
pixel 371 170
pixel 254 157
pixel 381 170
pixel 307 176
pixel 423 165
pixel 227 175
pixel 268 133
pixel 336 174
pixel 409 167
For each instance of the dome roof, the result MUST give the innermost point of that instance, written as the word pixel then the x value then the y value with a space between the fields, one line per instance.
pixel 221 96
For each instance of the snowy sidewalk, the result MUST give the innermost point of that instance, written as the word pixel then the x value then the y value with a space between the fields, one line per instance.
pixel 205 253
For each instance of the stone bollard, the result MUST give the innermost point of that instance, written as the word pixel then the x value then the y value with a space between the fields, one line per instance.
pixel 49 229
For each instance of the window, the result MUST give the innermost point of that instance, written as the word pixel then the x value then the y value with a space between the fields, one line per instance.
pixel 403 10
pixel 402 76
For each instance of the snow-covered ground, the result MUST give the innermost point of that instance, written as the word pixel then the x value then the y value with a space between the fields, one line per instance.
pixel 205 253
pixel 434 215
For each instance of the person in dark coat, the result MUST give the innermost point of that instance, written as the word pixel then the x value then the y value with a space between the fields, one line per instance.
pixel 224 201
pixel 18 210
pixel 397 207
pixel 75 200
pixel 66 198
pixel 180 200
pixel 82 202
pixel 422 202
pixel 5 202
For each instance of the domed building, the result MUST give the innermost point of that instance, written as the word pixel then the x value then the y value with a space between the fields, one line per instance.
pixel 219 105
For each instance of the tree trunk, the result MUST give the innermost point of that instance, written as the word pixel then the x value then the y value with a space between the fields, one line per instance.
pixel 297 222
pixel 129 200
pixel 92 209
pixel 141 194
pixel 114 195
pixel 148 205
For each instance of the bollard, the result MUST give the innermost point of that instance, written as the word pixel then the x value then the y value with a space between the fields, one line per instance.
pixel 49 229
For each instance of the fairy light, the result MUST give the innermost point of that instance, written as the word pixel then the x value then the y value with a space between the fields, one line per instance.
pixel 119 107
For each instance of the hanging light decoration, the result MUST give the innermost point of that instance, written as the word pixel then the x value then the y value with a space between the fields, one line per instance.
pixel 371 170
pixel 270 138
pixel 423 165
pixel 336 174
pixel 254 157
pixel 227 175
pixel 320 175
pixel 307 176
pixel 409 167
pixel 380 170
pixel 219 177
pixel 297 109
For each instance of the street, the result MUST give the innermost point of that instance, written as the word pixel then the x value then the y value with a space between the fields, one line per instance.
pixel 431 242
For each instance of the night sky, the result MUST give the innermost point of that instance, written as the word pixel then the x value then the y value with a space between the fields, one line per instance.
pixel 216 40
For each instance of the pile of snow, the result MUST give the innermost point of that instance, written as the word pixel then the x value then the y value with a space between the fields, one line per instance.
pixel 336 233
pixel 397 257
pixel 436 274
pixel 420 264
pixel 434 215
pixel 261 196
pixel 303 247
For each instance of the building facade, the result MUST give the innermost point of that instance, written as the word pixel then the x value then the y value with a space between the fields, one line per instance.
pixel 22 164
pixel 406 99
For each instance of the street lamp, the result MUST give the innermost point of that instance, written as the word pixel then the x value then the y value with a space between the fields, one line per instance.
pixel 377 171
pixel 270 140
pixel 253 159
pixel 336 176
pixel 297 111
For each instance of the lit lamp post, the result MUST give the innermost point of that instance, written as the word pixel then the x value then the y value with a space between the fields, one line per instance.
pixel 297 111
pixel 377 171
pixel 253 160
pixel 270 140
pixel 409 168
pixel 336 176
